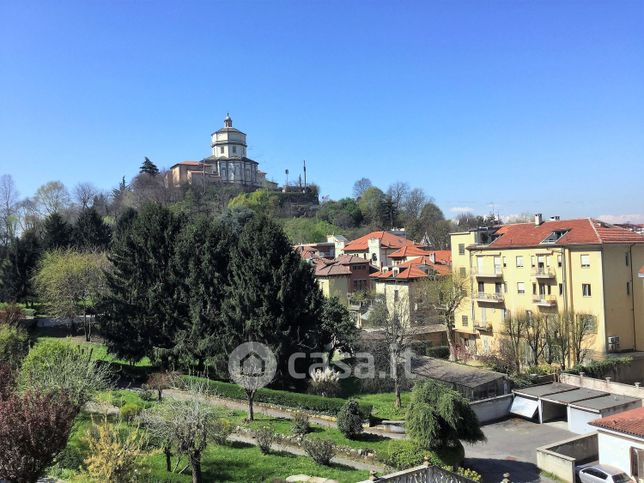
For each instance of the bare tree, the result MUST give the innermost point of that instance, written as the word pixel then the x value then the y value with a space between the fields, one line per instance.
pixel 84 193
pixel 536 336
pixel 515 329
pixel 52 197
pixel 360 187
pixel 9 198
pixel 571 334
pixel 398 192
pixel 442 295
pixel 414 202
pixel 394 324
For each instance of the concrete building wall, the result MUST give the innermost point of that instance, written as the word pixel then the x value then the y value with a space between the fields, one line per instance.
pixel 492 409
pixel 615 450
pixel 602 385
pixel 578 420
pixel 337 286
pixel 560 458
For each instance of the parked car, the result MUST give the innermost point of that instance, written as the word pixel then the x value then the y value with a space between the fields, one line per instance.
pixel 603 474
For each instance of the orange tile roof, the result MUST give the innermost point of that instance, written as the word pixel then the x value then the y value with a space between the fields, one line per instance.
pixel 387 240
pixel 629 422
pixel 405 273
pixel 441 267
pixel 347 259
pixel 584 231
pixel 188 163
pixel 411 269
pixel 408 251
pixel 329 268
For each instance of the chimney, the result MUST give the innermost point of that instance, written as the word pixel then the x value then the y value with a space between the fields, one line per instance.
pixel 432 257
pixel 538 219
pixel 555 218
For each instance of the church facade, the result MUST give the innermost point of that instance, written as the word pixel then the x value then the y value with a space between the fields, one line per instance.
pixel 227 164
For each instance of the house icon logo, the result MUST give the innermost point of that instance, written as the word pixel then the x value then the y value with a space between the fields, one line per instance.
pixel 252 365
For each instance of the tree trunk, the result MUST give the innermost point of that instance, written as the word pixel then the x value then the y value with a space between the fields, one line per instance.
pixel 251 396
pixel 168 462
pixel 195 463
pixel 398 402
pixel 450 341
pixel 159 391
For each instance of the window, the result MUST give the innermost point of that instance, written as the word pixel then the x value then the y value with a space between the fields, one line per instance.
pixel 462 271
pixel 534 289
pixel 235 149
pixel 481 287
pixel 461 248
pixel 498 287
pixel 519 261
pixel 395 295
pixel 221 149
pixel 585 289
pixel 585 261
pixel 559 261
pixel 464 320
pixel 628 288
pixel 520 287
pixel 505 262
pixel 532 261
pixel 627 259
pixel 561 289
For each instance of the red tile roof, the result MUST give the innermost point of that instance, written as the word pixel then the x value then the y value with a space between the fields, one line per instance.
pixel 387 240
pixel 413 269
pixel 347 259
pixel 442 268
pixel 329 268
pixel 408 251
pixel 584 231
pixel 629 422
pixel 188 163
pixel 404 273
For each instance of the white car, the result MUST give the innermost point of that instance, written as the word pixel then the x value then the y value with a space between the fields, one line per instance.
pixel 603 474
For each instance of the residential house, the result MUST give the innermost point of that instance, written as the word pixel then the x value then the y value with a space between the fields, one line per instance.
pixel 583 266
pixel 376 247
pixel 620 441
pixel 341 276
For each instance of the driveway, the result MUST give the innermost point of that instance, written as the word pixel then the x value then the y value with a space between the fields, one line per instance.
pixel 511 448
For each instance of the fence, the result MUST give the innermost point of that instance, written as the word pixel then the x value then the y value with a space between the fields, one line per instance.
pixel 421 474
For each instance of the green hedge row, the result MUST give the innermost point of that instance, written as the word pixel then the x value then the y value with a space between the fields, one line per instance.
pixel 600 369
pixel 297 400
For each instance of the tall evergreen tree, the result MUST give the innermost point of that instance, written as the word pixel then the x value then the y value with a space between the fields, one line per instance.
pixel 90 231
pixel 148 167
pixel 272 297
pixel 143 311
pixel 16 270
pixel 202 260
pixel 57 233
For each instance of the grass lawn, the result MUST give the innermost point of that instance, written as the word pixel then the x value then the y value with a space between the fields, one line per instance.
pixel 383 404
pixel 99 351
pixel 232 462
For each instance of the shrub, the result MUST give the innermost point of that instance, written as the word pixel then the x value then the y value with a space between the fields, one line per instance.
pixel 321 450
pixel 440 352
pixel 129 411
pixel 147 395
pixel 325 382
pixel 11 314
pixel 159 381
pixel 307 402
pixel 14 345
pixel 265 437
pixel 600 369
pixel 300 424
pixel 54 365
pixel 350 419
pixel 222 428
pixel 406 454
pixel 34 428
pixel 113 454
pixel 7 381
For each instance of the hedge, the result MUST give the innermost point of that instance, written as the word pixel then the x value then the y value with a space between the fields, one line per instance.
pixel 600 369
pixel 297 400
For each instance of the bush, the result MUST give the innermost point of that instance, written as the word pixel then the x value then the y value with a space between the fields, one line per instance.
pixel 14 345
pixel 265 437
pixel 300 424
pixel 321 450
pixel 440 352
pixel 325 382
pixel 600 369
pixel 129 411
pixel 306 402
pixel 401 454
pixel 221 430
pixel 350 419
pixel 11 314
pixel 147 395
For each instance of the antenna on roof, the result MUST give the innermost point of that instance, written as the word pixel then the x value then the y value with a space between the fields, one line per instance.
pixel 305 173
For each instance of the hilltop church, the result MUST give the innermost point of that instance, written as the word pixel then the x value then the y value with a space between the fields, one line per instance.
pixel 227 164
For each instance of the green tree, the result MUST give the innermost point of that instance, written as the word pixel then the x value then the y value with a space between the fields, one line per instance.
pixel 57 233
pixel 261 201
pixel 308 230
pixel 202 260
pixel 272 297
pixel 143 309
pixel 440 417
pixel 20 260
pixel 344 213
pixel 372 206
pixel 70 283
pixel 148 167
pixel 90 232
pixel 339 330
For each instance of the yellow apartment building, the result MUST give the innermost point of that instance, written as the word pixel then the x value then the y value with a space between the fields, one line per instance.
pixel 546 267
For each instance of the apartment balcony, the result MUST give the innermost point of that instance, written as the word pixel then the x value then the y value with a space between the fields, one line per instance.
pixel 492 272
pixel 482 326
pixel 545 301
pixel 543 273
pixel 493 298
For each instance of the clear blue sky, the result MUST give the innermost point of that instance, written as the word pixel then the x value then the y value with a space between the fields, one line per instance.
pixel 532 106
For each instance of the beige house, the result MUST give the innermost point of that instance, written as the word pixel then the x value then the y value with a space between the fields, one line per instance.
pixel 583 266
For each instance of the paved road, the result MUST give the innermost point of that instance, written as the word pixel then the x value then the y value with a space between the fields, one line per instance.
pixel 511 447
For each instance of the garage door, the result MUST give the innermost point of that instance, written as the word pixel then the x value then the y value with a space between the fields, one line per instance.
pixel 525 407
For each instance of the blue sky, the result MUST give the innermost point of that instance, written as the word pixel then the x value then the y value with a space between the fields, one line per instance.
pixel 526 105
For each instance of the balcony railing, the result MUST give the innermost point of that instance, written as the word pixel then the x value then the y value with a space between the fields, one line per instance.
pixel 545 301
pixel 495 298
pixel 485 326
pixel 543 273
pixel 492 272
